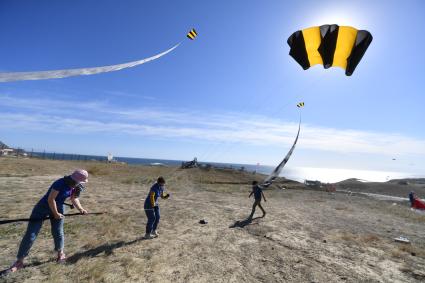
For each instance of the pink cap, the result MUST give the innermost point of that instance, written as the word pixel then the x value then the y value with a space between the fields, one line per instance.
pixel 80 176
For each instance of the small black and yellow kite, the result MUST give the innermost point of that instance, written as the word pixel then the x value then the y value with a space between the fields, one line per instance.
pixel 192 34
pixel 301 104
pixel 329 45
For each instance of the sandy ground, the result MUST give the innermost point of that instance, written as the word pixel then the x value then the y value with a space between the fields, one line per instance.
pixel 307 236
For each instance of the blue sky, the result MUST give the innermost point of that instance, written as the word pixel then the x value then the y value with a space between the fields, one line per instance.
pixel 228 96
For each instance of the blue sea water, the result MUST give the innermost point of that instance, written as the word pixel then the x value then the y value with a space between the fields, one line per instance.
pixel 148 161
pixel 300 174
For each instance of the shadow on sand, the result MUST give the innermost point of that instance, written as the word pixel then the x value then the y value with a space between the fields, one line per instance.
pixel 108 249
pixel 6 272
pixel 243 223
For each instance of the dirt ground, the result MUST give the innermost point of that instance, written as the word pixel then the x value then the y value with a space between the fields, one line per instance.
pixel 307 236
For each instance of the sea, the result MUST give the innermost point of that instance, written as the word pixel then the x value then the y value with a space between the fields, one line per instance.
pixel 326 175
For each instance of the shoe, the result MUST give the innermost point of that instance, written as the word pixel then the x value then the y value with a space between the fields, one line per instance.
pixel 61 258
pixel 16 266
pixel 147 236
pixel 155 234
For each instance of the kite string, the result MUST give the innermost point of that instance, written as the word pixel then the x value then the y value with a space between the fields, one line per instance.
pixel 273 114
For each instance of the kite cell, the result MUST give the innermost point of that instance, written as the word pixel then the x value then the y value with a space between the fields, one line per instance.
pixel 57 74
pixel 330 46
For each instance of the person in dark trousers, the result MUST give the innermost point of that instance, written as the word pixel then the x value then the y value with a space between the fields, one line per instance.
pixel 52 205
pixel 257 191
pixel 152 209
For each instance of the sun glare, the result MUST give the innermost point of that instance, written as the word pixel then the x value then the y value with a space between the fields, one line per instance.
pixel 342 16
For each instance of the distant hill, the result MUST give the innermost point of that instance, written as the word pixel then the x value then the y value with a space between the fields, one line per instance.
pixel 2 145
pixel 420 181
pixel 398 188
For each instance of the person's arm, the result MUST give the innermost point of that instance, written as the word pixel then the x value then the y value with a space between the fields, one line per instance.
pixel 251 193
pixel 76 202
pixel 263 196
pixel 52 204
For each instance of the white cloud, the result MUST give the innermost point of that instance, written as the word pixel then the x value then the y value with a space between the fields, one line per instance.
pixel 99 117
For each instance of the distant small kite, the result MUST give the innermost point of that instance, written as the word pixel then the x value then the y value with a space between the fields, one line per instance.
pixel 301 104
pixel 192 34
pixel 57 74
pixel 330 46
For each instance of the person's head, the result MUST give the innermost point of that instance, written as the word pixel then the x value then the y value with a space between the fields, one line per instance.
pixel 254 183
pixel 161 181
pixel 80 176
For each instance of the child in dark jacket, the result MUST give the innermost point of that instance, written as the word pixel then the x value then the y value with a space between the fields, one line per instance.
pixel 152 209
pixel 257 191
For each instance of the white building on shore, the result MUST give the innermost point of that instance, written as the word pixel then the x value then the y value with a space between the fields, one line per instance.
pixel 6 151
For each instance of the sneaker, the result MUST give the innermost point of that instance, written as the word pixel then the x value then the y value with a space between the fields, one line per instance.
pixel 61 258
pixel 155 233
pixel 148 236
pixel 16 266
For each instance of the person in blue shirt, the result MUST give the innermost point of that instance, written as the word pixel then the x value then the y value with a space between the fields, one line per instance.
pixel 152 209
pixel 257 191
pixel 52 205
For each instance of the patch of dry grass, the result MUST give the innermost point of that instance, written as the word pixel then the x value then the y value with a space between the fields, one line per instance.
pixel 407 250
pixel 359 239
pixel 97 170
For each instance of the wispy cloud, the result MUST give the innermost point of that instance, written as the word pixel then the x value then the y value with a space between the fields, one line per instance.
pixel 100 117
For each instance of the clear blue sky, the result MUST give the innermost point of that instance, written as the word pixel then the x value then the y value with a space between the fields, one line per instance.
pixel 228 96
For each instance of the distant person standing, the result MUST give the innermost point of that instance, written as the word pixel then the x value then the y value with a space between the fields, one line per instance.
pixel 257 191
pixel 152 208
pixel 52 205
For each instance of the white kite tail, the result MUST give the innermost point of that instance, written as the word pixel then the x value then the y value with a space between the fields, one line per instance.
pixel 276 172
pixel 57 74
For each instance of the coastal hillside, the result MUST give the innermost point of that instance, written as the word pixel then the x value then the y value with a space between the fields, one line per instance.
pixel 306 236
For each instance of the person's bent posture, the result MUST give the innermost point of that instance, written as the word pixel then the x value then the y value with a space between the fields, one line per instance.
pixel 257 191
pixel 52 205
pixel 152 208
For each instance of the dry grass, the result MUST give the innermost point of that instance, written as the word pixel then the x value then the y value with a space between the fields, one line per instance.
pixel 359 239
pixel 286 246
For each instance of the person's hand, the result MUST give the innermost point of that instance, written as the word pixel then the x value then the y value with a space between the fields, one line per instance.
pixel 167 196
pixel 59 216
pixel 83 211
pixel 265 200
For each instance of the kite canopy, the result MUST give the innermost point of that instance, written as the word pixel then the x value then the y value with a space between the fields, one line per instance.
pixel 330 46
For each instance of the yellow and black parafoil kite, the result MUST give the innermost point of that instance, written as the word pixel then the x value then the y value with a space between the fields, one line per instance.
pixel 301 104
pixel 329 45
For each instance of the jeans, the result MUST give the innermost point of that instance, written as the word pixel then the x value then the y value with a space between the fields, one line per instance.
pixel 257 202
pixel 40 211
pixel 153 219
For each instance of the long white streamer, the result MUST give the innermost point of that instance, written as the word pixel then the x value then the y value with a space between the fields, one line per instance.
pixel 57 74
pixel 269 180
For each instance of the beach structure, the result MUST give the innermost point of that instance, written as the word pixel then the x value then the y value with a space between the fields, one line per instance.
pixel 190 164
pixel 313 184
pixel 6 151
